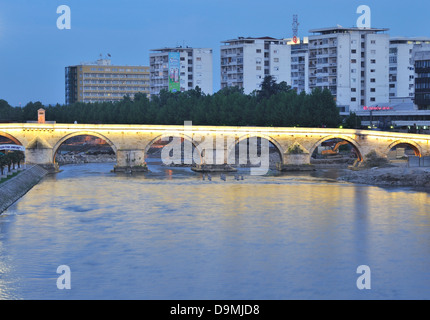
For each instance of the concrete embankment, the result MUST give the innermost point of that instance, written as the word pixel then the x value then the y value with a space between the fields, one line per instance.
pixel 15 188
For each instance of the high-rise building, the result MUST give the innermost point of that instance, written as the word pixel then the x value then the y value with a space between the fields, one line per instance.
pixel 101 81
pixel 352 63
pixel 402 69
pixel 246 61
pixel 181 69
pixel 299 64
pixel 421 58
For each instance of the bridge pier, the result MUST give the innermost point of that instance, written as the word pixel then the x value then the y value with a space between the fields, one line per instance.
pixel 296 162
pixel 42 157
pixel 130 161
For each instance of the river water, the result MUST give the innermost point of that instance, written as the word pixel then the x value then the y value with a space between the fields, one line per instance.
pixel 169 234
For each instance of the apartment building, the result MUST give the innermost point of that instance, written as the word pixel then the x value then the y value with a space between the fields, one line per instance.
pixel 100 82
pixel 299 64
pixel 181 69
pixel 352 63
pixel 421 60
pixel 246 61
pixel 402 69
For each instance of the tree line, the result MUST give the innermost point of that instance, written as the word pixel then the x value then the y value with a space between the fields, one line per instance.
pixel 10 160
pixel 275 104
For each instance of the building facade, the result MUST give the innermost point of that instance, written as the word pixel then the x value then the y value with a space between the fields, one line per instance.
pixel 246 61
pixel 352 63
pixel 101 82
pixel 421 58
pixel 181 69
pixel 402 69
pixel 299 65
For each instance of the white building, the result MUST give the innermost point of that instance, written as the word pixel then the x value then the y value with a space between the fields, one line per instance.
pixel 402 70
pixel 181 69
pixel 246 61
pixel 299 65
pixel 352 63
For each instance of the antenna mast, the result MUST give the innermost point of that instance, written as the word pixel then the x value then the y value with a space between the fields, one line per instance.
pixel 295 27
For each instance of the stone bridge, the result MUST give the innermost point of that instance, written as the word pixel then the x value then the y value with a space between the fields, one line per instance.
pixel 132 142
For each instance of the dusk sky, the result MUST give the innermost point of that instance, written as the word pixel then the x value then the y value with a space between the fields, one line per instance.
pixel 34 52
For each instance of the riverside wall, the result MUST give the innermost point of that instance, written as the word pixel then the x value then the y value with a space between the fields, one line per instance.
pixel 13 189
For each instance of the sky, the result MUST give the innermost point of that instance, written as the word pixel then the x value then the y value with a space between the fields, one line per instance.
pixel 34 52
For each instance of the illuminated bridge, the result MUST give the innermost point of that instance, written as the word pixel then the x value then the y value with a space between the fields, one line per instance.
pixel 132 142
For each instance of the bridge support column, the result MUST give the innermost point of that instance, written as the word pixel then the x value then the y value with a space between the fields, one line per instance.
pixel 214 162
pixel 296 162
pixel 130 161
pixel 42 157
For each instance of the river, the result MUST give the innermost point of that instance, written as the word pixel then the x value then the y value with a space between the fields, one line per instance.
pixel 169 234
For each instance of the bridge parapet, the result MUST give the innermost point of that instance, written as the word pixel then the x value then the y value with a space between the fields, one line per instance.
pixel 131 142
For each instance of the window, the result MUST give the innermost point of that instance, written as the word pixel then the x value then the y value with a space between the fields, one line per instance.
pixel 258 67
pixel 372 89
pixel 276 60
pixel 353 99
pixel 353 51
pixel 373 61
pixel 258 50
pixel 353 61
pixel 373 41
pixel 373 80
pixel 373 99
pixel 393 59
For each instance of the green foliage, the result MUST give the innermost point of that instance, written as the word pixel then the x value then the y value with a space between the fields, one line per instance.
pixel 352 121
pixel 274 105
pixel 11 159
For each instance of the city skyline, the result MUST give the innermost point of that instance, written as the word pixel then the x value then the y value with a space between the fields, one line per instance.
pixel 34 52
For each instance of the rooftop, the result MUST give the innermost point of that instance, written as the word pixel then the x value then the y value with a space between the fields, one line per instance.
pixel 251 39
pixel 408 40
pixel 340 29
pixel 178 48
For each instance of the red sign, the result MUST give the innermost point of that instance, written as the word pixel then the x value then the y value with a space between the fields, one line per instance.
pixel 295 39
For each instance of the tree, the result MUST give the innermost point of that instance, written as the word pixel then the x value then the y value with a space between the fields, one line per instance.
pixel 3 162
pixel 353 121
pixel 8 161
pixel 269 87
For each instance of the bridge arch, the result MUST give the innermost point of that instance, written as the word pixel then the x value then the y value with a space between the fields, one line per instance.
pixel 412 144
pixel 10 137
pixel 175 135
pixel 354 143
pixel 231 147
pixel 81 133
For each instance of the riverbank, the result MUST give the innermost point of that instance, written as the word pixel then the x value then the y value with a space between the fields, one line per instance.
pixel 13 189
pixel 393 175
pixel 84 158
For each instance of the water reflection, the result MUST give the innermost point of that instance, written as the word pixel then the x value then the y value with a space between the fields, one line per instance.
pixel 168 234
